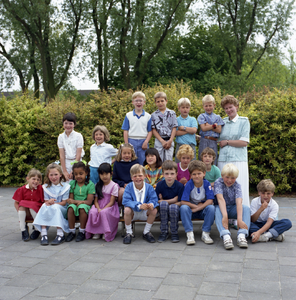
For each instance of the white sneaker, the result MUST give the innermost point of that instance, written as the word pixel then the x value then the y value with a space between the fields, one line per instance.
pixel 280 238
pixel 242 242
pixel 205 237
pixel 228 244
pixel 263 238
pixel 96 236
pixel 103 237
pixel 190 238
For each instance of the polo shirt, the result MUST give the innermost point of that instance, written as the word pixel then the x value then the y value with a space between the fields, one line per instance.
pixel 169 192
pixel 71 143
pixel 188 139
pixel 271 211
pixel 101 154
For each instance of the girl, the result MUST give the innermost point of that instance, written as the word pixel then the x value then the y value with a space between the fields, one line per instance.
pixel 81 197
pixel 125 159
pixel 70 145
pixel 184 155
pixel 152 166
pixel 104 215
pixel 100 152
pixel 54 211
pixel 28 200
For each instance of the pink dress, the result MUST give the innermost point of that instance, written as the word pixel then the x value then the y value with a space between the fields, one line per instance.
pixel 105 222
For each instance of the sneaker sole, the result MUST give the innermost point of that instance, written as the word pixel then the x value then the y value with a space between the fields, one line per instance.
pixel 207 242
pixel 175 241
pixel 243 246
pixel 190 243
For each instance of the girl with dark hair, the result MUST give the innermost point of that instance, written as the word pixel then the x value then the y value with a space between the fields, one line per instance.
pixel 152 166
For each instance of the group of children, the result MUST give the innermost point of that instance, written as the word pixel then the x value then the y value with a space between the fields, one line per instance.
pixel 146 181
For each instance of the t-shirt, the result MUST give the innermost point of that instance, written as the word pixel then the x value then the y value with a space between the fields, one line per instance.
pixel 183 173
pixel 81 192
pixel 214 174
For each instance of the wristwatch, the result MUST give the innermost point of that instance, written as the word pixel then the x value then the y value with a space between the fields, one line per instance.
pixel 184 128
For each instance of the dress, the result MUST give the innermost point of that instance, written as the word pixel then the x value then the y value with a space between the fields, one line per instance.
pixel 54 215
pixel 105 222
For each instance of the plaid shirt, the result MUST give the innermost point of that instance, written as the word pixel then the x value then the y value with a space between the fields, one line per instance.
pixel 210 119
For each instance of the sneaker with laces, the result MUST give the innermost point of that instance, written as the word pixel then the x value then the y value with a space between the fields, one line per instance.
pixel 175 238
pixel 163 236
pixel 190 238
pixel 228 244
pixel 263 238
pixel 149 237
pixel 280 238
pixel 205 237
pixel 96 236
pixel 242 242
pixel 128 238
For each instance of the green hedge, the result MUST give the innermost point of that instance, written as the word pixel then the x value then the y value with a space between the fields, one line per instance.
pixel 29 131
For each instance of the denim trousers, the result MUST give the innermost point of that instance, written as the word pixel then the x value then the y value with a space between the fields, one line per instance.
pixel 94 175
pixel 137 144
pixel 277 227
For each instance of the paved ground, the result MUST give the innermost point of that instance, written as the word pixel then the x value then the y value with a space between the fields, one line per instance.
pixel 100 270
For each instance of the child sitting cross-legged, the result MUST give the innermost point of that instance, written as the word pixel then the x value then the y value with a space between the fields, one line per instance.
pixel 197 202
pixel 264 210
pixel 140 202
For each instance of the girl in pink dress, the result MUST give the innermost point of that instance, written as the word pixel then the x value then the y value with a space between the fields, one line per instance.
pixel 103 217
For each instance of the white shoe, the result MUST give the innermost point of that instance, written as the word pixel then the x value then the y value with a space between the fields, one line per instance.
pixel 205 237
pixel 228 244
pixel 96 236
pixel 280 238
pixel 242 242
pixel 190 238
pixel 263 238
pixel 103 237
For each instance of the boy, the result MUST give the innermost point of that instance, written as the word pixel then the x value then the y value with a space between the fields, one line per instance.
pixel 208 156
pixel 140 202
pixel 164 124
pixel 211 126
pixel 229 196
pixel 264 210
pixel 197 202
pixel 187 127
pixel 169 192
pixel 137 126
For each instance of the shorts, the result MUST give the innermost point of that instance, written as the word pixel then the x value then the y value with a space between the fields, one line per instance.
pixel 140 215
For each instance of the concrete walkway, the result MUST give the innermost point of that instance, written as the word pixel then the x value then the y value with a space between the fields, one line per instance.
pixel 95 269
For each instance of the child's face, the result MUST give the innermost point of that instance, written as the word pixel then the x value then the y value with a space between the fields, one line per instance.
pixel 33 182
pixel 99 137
pixel 229 180
pixel 68 126
pixel 138 102
pixel 197 177
pixel 185 160
pixel 126 154
pixel 208 159
pixel 79 175
pixel 170 176
pixel 151 159
pixel 184 110
pixel 161 103
pixel 105 177
pixel 54 176
pixel 209 107
pixel 138 180
pixel 265 196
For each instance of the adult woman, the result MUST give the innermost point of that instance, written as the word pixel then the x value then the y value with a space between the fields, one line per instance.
pixel 234 140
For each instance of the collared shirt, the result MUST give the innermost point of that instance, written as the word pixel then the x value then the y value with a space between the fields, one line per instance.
pixel 236 129
pixel 164 122
pixel 210 119
pixel 230 194
pixel 101 154
pixel 187 138
pixel 71 143
pixel 271 211
pixel 140 194
pixel 169 192
pixel 195 194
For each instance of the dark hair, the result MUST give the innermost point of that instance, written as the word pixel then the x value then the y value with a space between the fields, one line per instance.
pixel 103 168
pixel 71 117
pixel 83 166
pixel 197 165
pixel 169 165
pixel 153 151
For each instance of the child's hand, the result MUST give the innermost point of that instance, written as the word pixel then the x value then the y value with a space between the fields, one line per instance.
pixel 168 145
pixel 264 205
pixel 150 206
pixel 70 201
pixel 242 225
pixel 183 180
pixel 255 236
pixel 67 175
pixel 99 210
pixel 145 146
pixel 78 203
pixel 144 206
pixel 164 144
pixel 125 185
pixel 225 222
pixel 160 197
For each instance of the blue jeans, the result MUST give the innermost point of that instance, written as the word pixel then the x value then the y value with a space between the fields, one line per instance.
pixel 232 214
pixel 207 214
pixel 137 144
pixel 277 227
pixel 169 212
pixel 94 174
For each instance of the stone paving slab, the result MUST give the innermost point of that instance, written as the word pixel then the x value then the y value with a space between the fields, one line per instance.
pixel 100 270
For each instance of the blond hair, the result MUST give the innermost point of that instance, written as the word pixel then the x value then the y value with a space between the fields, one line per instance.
pixel 208 151
pixel 230 170
pixel 229 99
pixel 207 99
pixel 266 185
pixel 136 169
pixel 34 172
pixel 160 95
pixel 51 167
pixel 104 130
pixel 197 165
pixel 138 94
pixel 185 150
pixel 127 145
pixel 184 101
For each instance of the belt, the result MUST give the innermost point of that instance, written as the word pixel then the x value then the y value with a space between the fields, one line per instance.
pixel 166 138
pixel 210 138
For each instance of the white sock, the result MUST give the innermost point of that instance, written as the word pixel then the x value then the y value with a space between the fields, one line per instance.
pixel 147 228
pixel 22 218
pixel 268 234
pixel 33 213
pixel 241 236
pixel 43 231
pixel 81 230
pixel 60 232
pixel 226 237
pixel 128 229
pixel 72 230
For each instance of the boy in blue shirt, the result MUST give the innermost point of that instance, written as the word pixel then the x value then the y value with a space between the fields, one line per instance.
pixel 169 192
pixel 137 126
pixel 197 203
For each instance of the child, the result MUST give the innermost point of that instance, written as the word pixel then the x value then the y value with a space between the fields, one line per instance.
pixel 28 200
pixel 169 192
pixel 197 202
pixel 208 157
pixel 81 197
pixel 70 145
pixel 164 124
pixel 124 160
pixel 140 202
pixel 103 217
pixel 54 211
pixel 211 126
pixel 137 126
pixel 100 152
pixel 264 210
pixel 152 164
pixel 187 127
pixel 229 196
pixel 184 155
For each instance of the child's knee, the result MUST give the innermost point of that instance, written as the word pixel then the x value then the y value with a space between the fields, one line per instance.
pixel 128 211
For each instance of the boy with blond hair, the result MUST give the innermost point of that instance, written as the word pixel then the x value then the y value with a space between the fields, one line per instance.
pixel 137 126
pixel 211 126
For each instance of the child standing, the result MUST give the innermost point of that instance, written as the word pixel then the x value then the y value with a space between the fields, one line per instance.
pixel 124 160
pixel 81 197
pixel 140 202
pixel 184 155
pixel 208 157
pixel 211 126
pixel 187 127
pixel 28 200
pixel 197 202
pixel 164 124
pixel 229 196
pixel 70 145
pixel 137 126
pixel 152 164
pixel 169 192
pixel 103 217
pixel 54 211
pixel 264 210
pixel 100 151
